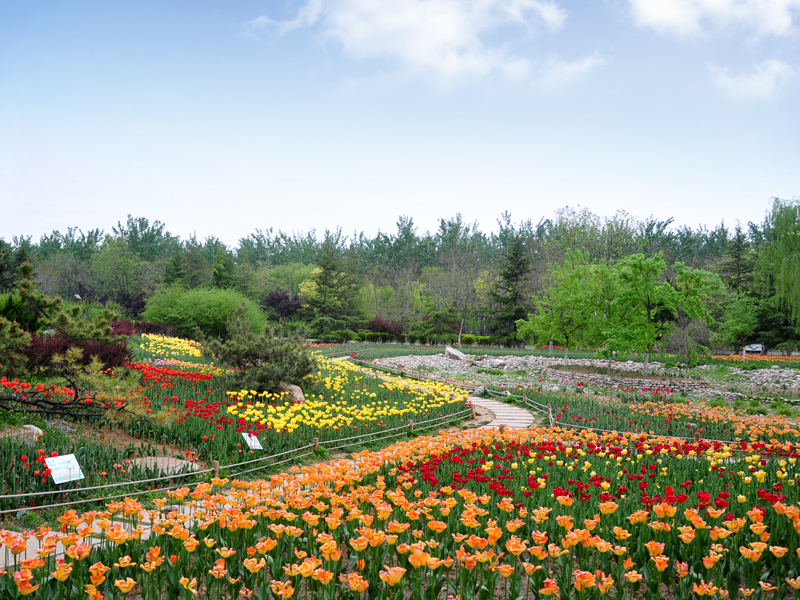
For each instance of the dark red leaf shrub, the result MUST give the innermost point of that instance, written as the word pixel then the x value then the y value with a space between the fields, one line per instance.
pixel 380 325
pixel 125 328
pixel 41 350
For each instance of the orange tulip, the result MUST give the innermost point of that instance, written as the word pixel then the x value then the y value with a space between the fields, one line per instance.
pixel 583 580
pixel 550 588
pixel 125 585
pixel 392 575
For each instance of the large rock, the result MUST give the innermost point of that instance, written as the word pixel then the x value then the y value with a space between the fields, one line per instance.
pixel 497 363
pixel 28 434
pixel 454 354
pixel 293 392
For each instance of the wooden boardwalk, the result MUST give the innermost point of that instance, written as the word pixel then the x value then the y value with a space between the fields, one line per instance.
pixel 505 414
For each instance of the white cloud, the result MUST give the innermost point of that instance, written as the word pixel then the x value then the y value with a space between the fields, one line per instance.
pixel 559 73
pixel 445 38
pixel 762 84
pixel 692 17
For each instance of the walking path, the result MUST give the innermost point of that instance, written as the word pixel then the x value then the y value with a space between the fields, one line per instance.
pixel 505 414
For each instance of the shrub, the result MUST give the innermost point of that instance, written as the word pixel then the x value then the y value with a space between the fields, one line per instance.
pixel 788 347
pixel 338 337
pixel 42 348
pixel 263 360
pixel 468 339
pixel 380 325
pixel 124 328
pixel 282 305
pixel 209 310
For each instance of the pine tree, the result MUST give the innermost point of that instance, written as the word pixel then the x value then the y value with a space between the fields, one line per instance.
pixel 197 270
pixel 263 360
pixel 175 269
pixel 736 268
pixel 439 324
pixel 507 293
pixel 223 271
pixel 8 267
pixel 332 294
pixel 13 342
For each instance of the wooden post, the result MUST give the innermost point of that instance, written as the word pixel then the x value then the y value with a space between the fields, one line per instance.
pixel 550 415
pixel 502 428
pixel 696 438
pixel 472 408
pixel 215 467
pixel 316 444
pixel 410 426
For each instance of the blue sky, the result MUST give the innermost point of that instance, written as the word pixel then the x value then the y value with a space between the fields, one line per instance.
pixel 221 117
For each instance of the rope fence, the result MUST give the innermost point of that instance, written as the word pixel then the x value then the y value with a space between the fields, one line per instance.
pixel 562 424
pixel 291 455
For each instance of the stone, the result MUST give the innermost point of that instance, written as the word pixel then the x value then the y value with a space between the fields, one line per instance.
pixel 554 388
pixel 294 392
pixel 454 354
pixel 34 430
pixel 27 434
pixel 774 367
pixel 497 363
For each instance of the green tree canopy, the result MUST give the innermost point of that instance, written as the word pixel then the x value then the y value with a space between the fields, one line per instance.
pixel 565 309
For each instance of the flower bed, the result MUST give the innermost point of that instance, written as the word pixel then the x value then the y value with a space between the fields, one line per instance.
pixel 189 408
pixel 526 514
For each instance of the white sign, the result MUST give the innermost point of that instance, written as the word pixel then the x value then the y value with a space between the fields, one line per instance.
pixel 252 441
pixel 754 348
pixel 64 468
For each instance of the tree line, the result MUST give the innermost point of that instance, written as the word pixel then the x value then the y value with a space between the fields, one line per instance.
pixel 573 279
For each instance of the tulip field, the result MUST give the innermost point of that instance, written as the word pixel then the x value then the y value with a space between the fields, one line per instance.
pixel 195 408
pixel 184 401
pixel 657 412
pixel 544 513
pixel 618 500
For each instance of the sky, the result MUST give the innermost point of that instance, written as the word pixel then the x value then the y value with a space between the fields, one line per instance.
pixel 218 118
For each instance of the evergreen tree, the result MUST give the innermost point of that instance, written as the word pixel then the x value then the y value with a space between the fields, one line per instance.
pixel 736 269
pixel 175 269
pixel 507 293
pixel 197 270
pixel 438 324
pixel 8 267
pixel 333 294
pixel 223 271
pixel 265 359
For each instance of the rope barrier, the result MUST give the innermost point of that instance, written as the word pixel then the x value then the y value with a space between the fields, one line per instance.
pixel 280 462
pixel 355 437
pixel 387 437
pixel 263 458
pixel 87 500
pixel 109 485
